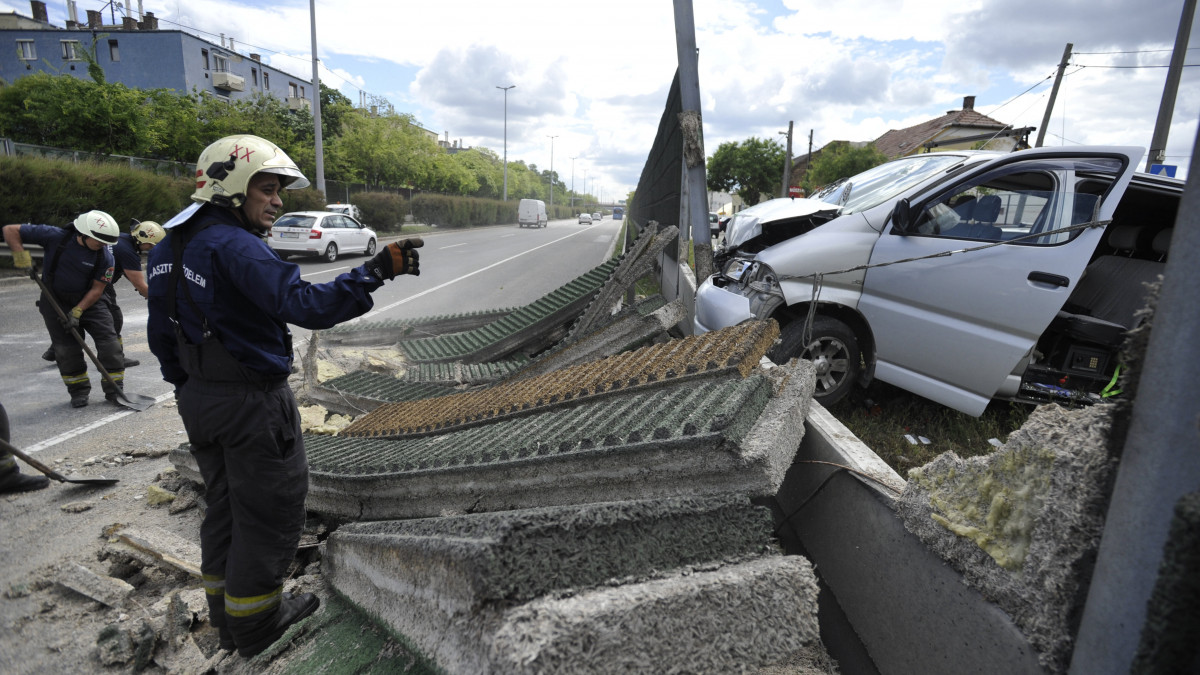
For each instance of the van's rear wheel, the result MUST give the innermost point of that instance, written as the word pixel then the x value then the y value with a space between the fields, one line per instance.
pixel 331 252
pixel 833 349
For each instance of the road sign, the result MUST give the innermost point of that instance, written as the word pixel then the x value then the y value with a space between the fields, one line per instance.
pixel 795 191
pixel 1164 169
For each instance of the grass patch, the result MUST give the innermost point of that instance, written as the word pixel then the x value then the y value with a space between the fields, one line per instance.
pixel 882 415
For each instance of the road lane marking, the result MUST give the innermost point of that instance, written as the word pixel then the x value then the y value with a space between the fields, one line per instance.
pixel 380 310
pixel 68 435
pixel 452 246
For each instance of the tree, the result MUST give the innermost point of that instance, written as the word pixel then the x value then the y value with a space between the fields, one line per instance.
pixel 840 160
pixel 750 168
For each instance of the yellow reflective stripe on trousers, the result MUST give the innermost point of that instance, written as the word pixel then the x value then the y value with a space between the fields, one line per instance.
pixel 82 378
pixel 213 584
pixel 7 463
pixel 235 606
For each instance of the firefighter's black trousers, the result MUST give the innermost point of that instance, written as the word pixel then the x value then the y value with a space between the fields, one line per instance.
pixel 97 321
pixel 247 443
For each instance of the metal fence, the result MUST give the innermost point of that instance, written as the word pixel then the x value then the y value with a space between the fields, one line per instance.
pixel 161 167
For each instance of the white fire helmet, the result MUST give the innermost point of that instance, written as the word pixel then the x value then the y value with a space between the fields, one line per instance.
pixel 225 168
pixel 98 225
pixel 148 232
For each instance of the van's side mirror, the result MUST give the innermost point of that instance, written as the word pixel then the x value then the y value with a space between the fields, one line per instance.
pixel 902 216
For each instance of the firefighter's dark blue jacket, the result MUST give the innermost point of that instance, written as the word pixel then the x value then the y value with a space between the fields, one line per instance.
pixel 78 265
pixel 247 293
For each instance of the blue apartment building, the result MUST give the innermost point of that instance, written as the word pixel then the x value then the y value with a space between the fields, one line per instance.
pixel 139 54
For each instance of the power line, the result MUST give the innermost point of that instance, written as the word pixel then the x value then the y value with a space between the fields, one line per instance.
pixel 1085 65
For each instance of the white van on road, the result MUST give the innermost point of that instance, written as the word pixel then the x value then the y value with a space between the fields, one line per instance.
pixel 962 277
pixel 532 212
pixel 345 209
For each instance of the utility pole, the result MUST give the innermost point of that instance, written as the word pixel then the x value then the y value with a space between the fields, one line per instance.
pixel 1053 95
pixel 1158 145
pixel 552 172
pixel 808 163
pixel 505 134
pixel 787 161
pixel 316 99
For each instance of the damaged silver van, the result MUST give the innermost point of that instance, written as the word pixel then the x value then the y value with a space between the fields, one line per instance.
pixel 962 277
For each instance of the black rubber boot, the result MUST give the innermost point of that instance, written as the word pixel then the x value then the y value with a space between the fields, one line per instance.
pixel 79 399
pixel 15 481
pixel 291 611
pixel 48 355
pixel 227 642
pixel 129 363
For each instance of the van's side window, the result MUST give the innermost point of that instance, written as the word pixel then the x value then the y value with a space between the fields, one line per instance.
pixel 1016 202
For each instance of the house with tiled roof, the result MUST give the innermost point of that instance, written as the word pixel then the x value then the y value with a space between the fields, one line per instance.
pixel 964 129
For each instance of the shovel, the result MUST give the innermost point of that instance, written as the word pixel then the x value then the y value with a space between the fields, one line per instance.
pixel 135 401
pixel 7 447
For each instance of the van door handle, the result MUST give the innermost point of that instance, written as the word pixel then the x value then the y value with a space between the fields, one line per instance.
pixel 1047 278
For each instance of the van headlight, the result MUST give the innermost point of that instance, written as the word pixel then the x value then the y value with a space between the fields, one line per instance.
pixel 761 278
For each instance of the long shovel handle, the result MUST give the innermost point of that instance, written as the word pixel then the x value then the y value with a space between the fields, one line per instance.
pixel 121 397
pixel 7 447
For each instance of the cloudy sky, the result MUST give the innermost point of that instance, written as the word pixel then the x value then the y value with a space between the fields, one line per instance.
pixel 595 74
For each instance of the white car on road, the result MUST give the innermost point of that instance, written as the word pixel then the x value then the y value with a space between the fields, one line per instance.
pixel 320 233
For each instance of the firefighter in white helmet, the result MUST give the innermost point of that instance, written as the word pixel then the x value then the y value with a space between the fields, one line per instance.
pixel 220 303
pixel 77 268
pixel 127 256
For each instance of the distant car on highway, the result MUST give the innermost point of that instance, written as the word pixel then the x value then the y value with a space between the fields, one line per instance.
pixel 597 216
pixel 585 219
pixel 320 233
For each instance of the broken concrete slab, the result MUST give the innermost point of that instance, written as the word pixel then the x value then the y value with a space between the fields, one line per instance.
pixel 102 589
pixel 164 546
pixel 693 437
pixel 544 590
pixel 1022 523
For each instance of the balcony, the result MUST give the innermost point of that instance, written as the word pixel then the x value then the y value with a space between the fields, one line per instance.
pixel 295 103
pixel 229 81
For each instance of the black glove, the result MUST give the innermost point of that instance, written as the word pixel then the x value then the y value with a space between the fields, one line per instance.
pixel 72 319
pixel 397 258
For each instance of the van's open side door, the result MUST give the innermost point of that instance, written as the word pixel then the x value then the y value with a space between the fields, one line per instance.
pixel 953 328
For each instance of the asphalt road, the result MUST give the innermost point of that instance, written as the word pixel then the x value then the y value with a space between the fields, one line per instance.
pixel 461 271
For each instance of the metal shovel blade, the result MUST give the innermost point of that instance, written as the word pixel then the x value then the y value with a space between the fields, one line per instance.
pixel 7 447
pixel 134 401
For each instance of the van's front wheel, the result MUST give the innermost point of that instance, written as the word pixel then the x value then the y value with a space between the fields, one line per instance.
pixel 833 349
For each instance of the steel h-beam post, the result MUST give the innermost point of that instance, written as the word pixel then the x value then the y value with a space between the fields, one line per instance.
pixel 693 214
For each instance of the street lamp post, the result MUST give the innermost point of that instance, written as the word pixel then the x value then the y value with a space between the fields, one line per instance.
pixel 573 184
pixel 552 172
pixel 506 137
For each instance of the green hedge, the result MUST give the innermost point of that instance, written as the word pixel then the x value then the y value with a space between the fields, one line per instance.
pixel 54 192
pixel 381 210
pixel 445 211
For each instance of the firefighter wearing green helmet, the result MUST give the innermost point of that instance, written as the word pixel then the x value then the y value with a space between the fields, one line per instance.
pixel 77 267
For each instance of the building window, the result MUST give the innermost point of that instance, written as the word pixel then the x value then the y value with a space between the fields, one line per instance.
pixel 301 91
pixel 220 63
pixel 26 51
pixel 70 50
pixel 114 54
pixel 292 89
pixel 266 80
pixel 254 76
pixel 204 53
